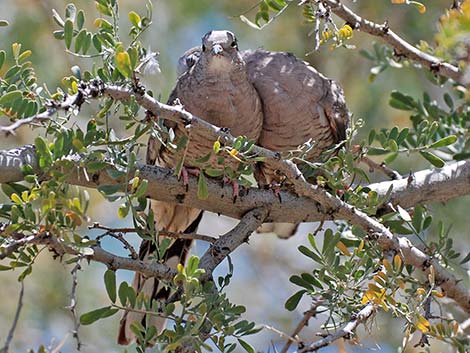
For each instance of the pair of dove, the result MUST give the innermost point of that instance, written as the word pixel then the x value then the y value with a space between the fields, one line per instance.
pixel 273 98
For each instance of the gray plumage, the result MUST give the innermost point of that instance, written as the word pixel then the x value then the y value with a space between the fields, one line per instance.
pixel 216 88
pixel 299 105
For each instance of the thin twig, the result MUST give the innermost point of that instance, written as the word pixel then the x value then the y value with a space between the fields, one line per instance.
pixel 165 233
pixel 290 339
pixel 98 254
pixel 6 251
pixel 381 167
pixel 346 332
pixel 401 46
pixel 73 304
pixel 75 100
pixel 312 312
pixel 6 347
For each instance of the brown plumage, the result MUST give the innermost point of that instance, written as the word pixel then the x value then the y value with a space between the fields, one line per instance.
pixel 299 105
pixel 216 88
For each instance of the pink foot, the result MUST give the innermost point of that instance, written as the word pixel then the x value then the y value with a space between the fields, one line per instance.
pixel 185 175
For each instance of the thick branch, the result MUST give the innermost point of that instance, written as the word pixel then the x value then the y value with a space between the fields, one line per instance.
pixel 330 205
pixel 401 46
pixel 232 240
pixel 430 185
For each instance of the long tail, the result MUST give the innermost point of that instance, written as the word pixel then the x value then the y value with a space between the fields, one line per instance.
pixel 175 218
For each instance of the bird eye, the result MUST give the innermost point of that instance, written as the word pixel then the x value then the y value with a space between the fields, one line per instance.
pixel 203 47
pixel 234 44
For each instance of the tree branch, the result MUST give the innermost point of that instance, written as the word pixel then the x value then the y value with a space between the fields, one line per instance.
pixel 401 46
pixel 430 185
pixel 346 332
pixel 98 254
pixel 71 101
pixel 312 312
pixel 6 347
pixel 232 240
pixel 330 205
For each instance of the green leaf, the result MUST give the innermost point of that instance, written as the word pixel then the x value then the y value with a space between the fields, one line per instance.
pixel 135 19
pixel 377 151
pixel 57 18
pixel 449 101
pixel 193 265
pixel 294 300
pixel 80 19
pixel 10 97
pixel 3 23
pixel 70 12
pixel 105 10
pixel 123 64
pixel 110 283
pixel 5 268
pixel 122 293
pixel 123 210
pixel 275 5
pixel 401 101
pixel 202 188
pixel 109 189
pixel 433 159
pixel 214 172
pixel 246 346
pixel 418 217
pixel 446 141
pixel 95 166
pixel 92 316
pixel 68 33
pixel 391 158
pixel 307 252
pixel 404 214
pixel 80 40
pixel 2 58
pixel 301 282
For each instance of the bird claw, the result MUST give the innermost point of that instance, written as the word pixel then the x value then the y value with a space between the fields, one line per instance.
pixel 185 175
pixel 235 187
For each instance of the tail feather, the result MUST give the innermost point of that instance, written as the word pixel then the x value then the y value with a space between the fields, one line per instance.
pixel 176 253
pixel 282 230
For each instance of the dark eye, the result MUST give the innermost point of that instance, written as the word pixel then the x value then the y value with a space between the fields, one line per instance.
pixel 203 47
pixel 234 44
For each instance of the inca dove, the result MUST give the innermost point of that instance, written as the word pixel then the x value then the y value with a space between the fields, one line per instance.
pixel 216 88
pixel 299 105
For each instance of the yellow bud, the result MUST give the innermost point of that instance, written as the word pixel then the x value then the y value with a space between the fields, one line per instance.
pixel 216 146
pixel 344 250
pixel 421 291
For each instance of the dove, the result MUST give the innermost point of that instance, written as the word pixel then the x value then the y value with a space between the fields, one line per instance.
pixel 300 105
pixel 215 88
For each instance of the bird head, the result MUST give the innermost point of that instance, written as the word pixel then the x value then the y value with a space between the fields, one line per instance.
pixel 220 50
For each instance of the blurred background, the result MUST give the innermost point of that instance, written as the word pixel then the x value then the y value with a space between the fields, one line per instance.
pixel 262 269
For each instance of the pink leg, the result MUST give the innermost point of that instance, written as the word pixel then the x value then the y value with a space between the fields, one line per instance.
pixel 185 175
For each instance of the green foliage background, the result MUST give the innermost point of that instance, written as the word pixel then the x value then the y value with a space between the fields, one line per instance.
pixel 262 269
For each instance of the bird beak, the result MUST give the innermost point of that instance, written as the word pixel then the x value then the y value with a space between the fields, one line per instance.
pixel 217 49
